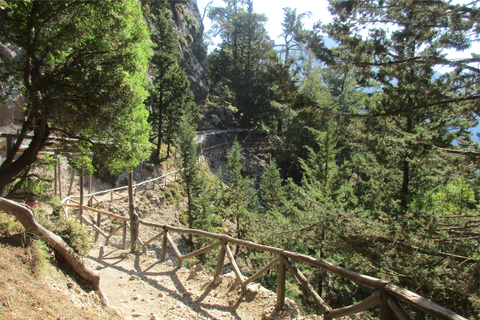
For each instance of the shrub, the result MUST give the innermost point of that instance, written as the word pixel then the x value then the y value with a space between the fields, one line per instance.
pixel 74 234
pixel 9 225
pixel 39 256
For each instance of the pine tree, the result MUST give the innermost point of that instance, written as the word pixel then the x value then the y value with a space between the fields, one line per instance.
pixel 170 96
pixel 78 83
pixel 238 198
pixel 202 196
pixel 408 129
pixel 238 64
pixel 189 172
pixel 292 32
pixel 272 193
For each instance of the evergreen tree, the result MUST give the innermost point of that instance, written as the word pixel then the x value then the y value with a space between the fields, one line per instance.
pixel 189 172
pixel 81 71
pixel 272 193
pixel 238 198
pixel 292 32
pixel 407 130
pixel 406 144
pixel 202 195
pixel 170 96
pixel 238 64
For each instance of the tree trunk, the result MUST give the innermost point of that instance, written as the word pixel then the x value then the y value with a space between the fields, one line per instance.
pixel 25 216
pixel 11 168
pixel 156 153
pixel 406 171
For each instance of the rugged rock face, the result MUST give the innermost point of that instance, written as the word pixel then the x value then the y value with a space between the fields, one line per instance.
pixel 11 109
pixel 193 54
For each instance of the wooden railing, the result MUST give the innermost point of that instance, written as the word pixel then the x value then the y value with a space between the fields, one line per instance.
pixel 94 200
pixel 101 195
pixel 385 294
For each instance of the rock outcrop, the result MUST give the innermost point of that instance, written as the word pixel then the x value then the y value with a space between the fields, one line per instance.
pixel 11 101
pixel 193 54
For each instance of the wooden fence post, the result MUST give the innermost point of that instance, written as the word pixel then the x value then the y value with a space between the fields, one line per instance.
pixel 82 180
pixel 281 284
pixel 221 259
pixel 163 255
pixel 59 180
pixel 9 145
pixel 90 200
pixel 71 183
pixel 99 224
pixel 133 215
pixel 55 174
pixel 124 235
pixel 386 313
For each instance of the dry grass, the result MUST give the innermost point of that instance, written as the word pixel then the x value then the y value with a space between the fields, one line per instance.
pixel 51 294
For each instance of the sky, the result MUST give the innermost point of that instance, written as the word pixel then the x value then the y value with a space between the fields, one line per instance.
pixel 318 8
pixel 273 10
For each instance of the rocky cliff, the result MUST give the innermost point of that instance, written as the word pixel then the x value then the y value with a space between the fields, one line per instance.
pixel 12 104
pixel 193 53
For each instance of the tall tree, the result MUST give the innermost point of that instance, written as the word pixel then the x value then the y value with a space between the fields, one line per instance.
pixel 238 197
pixel 239 61
pixel 410 145
pixel 188 162
pixel 292 32
pixel 271 190
pixel 410 125
pixel 170 96
pixel 81 71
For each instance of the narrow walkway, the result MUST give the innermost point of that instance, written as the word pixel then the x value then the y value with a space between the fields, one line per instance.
pixel 143 288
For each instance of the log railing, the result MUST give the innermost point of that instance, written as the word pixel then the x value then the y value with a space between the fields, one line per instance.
pixel 385 294
pixel 100 196
pixel 96 198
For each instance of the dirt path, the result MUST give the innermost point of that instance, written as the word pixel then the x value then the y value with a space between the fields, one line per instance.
pixel 141 287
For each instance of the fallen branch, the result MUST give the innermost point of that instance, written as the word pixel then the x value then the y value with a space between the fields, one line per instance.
pixel 26 218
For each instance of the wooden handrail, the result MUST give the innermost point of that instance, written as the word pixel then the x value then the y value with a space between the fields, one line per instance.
pixel 358 278
pixel 120 188
pixel 111 215
pixel 386 293
pixel 421 303
pixel 283 257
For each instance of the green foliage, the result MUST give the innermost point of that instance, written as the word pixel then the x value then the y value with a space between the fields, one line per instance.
pixel 271 191
pixel 202 194
pixel 187 160
pixel 411 120
pixel 455 198
pixel 292 32
pixel 74 234
pixel 39 256
pixel 170 96
pixel 380 170
pixel 34 183
pixel 239 201
pixel 9 225
pixel 77 81
pixel 172 193
pixel 237 68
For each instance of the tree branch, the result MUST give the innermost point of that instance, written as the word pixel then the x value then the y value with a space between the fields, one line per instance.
pixel 397 112
pixel 26 218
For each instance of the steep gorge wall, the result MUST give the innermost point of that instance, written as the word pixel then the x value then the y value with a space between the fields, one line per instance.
pixel 193 53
